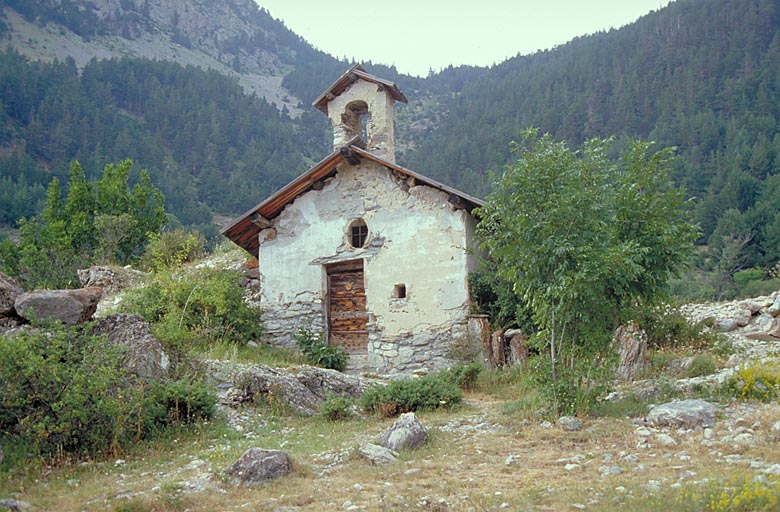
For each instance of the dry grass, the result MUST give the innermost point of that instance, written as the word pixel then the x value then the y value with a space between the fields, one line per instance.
pixel 463 467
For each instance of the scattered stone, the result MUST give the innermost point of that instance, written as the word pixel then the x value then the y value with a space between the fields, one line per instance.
pixel 68 306
pixel 257 466
pixel 727 325
pixel 665 439
pixel 610 470
pixel 569 423
pixel 750 305
pixel 571 467
pixel 15 505
pixel 546 425
pixel 689 413
pixel 631 345
pixel 511 460
pixel 144 355
pixel 378 454
pixel 407 433
pixel 411 471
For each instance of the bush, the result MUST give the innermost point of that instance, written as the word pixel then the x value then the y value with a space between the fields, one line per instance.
pixel 318 353
pixel 196 305
pixel 670 329
pixel 464 375
pixel 578 387
pixel 65 392
pixel 336 408
pixel 171 249
pixel 432 391
pixel 176 403
pixel 702 364
pixel 755 382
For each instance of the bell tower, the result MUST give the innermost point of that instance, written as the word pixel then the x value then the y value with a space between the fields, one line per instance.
pixel 360 104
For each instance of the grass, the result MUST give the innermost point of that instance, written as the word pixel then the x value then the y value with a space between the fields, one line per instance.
pixel 463 466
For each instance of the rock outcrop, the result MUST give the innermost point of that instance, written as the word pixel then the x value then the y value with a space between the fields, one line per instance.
pixel 68 306
pixel 631 344
pixel 257 466
pixel 301 388
pixel 9 291
pixel 111 279
pixel 144 356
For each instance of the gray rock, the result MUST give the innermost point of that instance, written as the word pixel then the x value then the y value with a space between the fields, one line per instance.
pixel 68 306
pixel 750 305
pixel 610 470
pixel 302 388
pixel 257 466
pixel 665 439
pixel 143 355
pixel 774 309
pixel 407 433
pixel 9 291
pixel 727 324
pixel 110 279
pixel 683 413
pixel 764 327
pixel 378 454
pixel 569 423
pixel 631 344
pixel 15 505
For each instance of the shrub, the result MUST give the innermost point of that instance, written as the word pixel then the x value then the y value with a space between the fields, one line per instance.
pixel 336 408
pixel 579 386
pixel 63 391
pixel 176 403
pixel 171 249
pixel 319 353
pixel 464 375
pixel 432 391
pixel 755 382
pixel 702 364
pixel 205 305
pixel 670 329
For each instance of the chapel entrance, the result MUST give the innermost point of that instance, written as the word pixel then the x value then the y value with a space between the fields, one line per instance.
pixel 347 315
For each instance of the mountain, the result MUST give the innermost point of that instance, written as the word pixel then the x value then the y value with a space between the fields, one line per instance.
pixel 212 96
pixel 699 75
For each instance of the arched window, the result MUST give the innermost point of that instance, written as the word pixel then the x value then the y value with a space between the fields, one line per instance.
pixel 354 119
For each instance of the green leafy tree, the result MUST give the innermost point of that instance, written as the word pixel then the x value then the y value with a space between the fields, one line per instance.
pixel 106 222
pixel 582 237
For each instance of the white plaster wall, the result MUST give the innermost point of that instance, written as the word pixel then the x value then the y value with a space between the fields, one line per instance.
pixel 416 238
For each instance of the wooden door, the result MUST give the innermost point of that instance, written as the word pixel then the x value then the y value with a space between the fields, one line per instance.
pixel 347 316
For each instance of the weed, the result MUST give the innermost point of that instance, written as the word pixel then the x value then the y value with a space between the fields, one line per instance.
pixel 319 353
pixel 702 364
pixel 336 408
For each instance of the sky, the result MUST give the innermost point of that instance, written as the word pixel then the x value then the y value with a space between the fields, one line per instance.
pixel 421 35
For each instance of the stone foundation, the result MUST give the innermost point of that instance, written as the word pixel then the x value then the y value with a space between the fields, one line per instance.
pixel 413 353
pixel 282 323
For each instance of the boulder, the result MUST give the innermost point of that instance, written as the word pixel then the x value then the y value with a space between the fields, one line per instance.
pixel 518 349
pixel 631 344
pixel 378 454
pixel 407 433
pixel 750 305
pixel 68 306
pixel 144 355
pixel 689 413
pixel 9 291
pixel 774 308
pixel 727 324
pixel 569 423
pixel 111 279
pixel 257 466
pixel 764 327
pixel 302 388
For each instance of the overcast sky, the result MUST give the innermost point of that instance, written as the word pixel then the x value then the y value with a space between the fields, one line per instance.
pixel 418 35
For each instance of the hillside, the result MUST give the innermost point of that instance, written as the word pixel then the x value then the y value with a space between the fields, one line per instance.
pixel 701 76
pixel 697 75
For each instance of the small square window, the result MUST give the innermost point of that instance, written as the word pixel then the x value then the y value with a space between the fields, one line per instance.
pixel 399 291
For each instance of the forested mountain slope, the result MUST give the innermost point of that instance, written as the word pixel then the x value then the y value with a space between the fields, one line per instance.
pixel 700 75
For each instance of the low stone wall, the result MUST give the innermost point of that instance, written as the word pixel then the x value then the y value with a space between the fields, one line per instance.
pixel 414 353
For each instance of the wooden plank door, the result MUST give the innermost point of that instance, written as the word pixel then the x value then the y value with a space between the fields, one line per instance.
pixel 347 316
